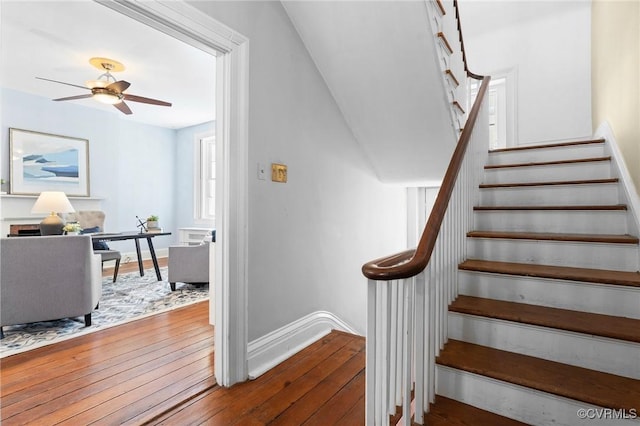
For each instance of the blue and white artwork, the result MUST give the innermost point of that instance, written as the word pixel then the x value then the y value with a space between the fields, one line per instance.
pixel 45 162
pixel 59 166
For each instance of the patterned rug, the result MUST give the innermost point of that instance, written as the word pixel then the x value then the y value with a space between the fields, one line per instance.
pixel 130 297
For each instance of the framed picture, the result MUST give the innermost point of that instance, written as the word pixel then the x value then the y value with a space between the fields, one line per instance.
pixel 45 162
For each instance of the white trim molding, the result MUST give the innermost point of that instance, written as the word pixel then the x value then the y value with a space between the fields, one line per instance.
pixel 621 171
pixel 186 23
pixel 271 349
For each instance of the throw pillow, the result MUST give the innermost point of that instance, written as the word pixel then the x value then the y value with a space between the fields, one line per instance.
pixel 97 245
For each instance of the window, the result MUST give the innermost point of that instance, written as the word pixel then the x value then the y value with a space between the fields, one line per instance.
pixel 205 180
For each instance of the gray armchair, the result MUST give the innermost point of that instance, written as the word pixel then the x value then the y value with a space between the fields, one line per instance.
pixel 190 264
pixel 48 278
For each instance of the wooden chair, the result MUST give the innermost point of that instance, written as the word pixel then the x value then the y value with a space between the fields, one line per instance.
pixel 93 221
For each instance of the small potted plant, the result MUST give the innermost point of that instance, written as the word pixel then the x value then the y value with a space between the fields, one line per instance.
pixel 72 228
pixel 152 221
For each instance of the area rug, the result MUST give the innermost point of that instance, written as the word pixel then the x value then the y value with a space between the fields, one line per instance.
pixel 130 297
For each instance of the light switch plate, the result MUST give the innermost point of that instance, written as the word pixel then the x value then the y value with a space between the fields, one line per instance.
pixel 262 171
pixel 278 173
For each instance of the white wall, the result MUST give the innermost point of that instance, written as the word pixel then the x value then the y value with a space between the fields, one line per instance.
pixel 308 238
pixel 132 165
pixel 548 51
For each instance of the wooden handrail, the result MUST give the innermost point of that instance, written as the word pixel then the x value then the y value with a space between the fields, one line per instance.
pixel 410 263
pixel 464 53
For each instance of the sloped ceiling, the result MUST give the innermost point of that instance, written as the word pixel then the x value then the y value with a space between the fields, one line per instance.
pixel 378 60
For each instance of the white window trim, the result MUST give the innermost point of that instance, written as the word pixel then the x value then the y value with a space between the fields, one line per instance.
pixel 199 217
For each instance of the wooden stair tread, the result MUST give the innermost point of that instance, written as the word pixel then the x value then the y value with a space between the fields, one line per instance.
pixel 549 145
pixel 547 163
pixel 553 183
pixel 627 329
pixel 572 207
pixel 598 276
pixel 590 386
pixel 446 411
pixel 544 236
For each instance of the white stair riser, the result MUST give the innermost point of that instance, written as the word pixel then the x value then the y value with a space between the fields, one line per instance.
pixel 554 221
pixel 549 173
pixel 547 154
pixel 581 350
pixel 509 400
pixel 603 299
pixel 620 257
pixel 559 195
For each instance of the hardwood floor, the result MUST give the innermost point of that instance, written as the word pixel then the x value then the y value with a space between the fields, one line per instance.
pixel 160 370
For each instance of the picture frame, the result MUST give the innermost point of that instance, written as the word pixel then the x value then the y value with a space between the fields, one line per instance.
pixel 48 162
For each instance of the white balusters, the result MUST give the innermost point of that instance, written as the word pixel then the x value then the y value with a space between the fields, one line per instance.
pixel 407 318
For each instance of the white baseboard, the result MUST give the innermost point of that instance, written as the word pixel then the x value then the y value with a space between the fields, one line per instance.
pixel 271 349
pixel 146 255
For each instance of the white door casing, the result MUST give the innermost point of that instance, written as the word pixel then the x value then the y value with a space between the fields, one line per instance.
pixel 182 21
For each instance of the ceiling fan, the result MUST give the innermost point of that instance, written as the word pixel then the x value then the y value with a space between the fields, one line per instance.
pixel 106 89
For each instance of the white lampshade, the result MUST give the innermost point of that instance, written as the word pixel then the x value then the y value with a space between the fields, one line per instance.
pixel 52 202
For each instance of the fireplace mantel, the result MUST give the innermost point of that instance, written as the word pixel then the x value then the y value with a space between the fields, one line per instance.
pixel 16 209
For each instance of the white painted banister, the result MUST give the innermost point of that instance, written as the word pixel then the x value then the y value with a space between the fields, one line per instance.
pixel 409 292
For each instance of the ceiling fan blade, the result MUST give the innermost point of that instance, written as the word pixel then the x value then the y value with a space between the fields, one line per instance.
pixel 124 108
pixel 144 100
pixel 118 86
pixel 70 98
pixel 62 82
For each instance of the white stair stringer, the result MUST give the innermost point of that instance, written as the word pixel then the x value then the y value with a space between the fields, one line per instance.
pixel 549 173
pixel 563 195
pixel 581 350
pixel 619 257
pixel 613 222
pixel 514 401
pixel 537 155
pixel 605 299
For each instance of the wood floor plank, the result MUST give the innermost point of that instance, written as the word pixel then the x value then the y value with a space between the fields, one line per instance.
pixel 593 387
pixel 229 405
pixel 83 379
pixel 90 354
pixel 340 404
pixel 276 405
pixel 93 362
pixel 445 411
pixel 165 375
pixel 306 406
pixel 580 322
pixel 92 396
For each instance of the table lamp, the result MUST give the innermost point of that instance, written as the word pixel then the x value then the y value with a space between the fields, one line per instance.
pixel 52 202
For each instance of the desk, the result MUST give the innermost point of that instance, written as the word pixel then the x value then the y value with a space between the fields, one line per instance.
pixel 136 236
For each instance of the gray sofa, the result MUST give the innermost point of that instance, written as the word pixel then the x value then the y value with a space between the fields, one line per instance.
pixel 48 278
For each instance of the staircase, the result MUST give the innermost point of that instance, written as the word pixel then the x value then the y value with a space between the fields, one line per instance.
pixel 546 327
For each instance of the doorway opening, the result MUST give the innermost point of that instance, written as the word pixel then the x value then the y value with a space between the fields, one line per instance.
pixel 229 307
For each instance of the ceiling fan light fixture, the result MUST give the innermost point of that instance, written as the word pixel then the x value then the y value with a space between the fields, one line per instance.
pixel 107 98
pixel 91 84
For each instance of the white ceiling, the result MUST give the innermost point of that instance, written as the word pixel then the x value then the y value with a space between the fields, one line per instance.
pixel 56 39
